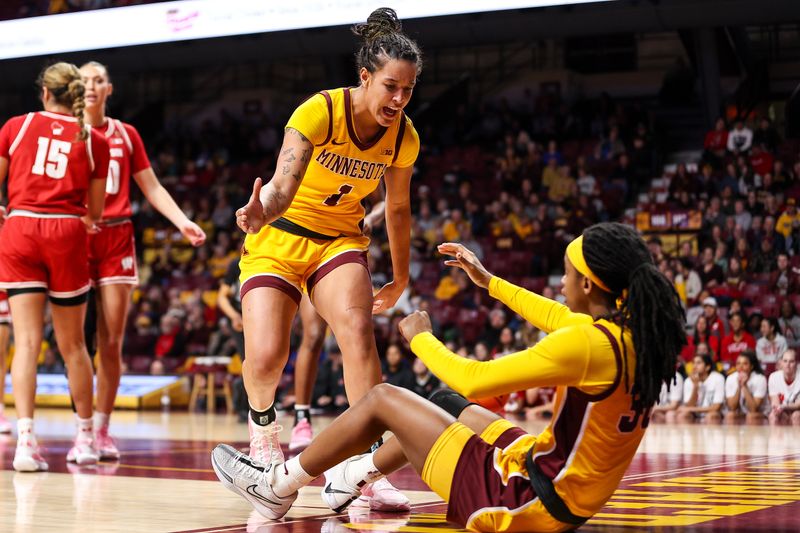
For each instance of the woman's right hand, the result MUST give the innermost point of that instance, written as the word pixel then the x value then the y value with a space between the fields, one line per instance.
pixel 250 218
pixel 466 261
pixel 91 226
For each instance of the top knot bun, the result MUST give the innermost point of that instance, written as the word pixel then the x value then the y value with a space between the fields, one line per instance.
pixel 382 21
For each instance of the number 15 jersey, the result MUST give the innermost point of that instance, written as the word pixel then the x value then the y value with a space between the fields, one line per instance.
pixel 343 170
pixel 49 169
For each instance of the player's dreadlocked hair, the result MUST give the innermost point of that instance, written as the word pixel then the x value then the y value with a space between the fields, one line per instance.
pixel 383 40
pixel 647 302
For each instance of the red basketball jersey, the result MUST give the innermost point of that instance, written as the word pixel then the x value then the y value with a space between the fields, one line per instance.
pixel 128 157
pixel 49 169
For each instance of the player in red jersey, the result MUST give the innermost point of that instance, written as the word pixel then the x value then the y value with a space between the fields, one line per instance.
pixel 52 161
pixel 5 334
pixel 112 253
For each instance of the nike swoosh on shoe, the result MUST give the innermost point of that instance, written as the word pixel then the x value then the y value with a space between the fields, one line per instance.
pixel 331 490
pixel 251 490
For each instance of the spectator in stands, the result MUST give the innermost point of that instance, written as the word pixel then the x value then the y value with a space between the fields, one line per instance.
pixel 610 147
pixel 587 183
pixel 740 138
pixel 424 382
pixel 506 344
pixel 785 279
pixel 766 135
pixel 742 253
pixel 395 368
pixel 761 162
pixel 789 323
pixel 793 241
pixel 171 341
pixel 746 390
pixel 221 341
pixel 784 391
pixel 329 387
pixel 454 226
pixel 715 143
pixel 562 187
pixel 741 215
pixel 764 259
pixel 735 281
pixel 52 363
pixel 495 324
pixel 703 393
pixel 550 174
pixel 701 335
pixel 772 344
pixel 687 282
pixel 710 272
pixel 481 352
pixel 552 153
pixel 735 342
pixel 790 216
pixel 670 399
pixel 770 233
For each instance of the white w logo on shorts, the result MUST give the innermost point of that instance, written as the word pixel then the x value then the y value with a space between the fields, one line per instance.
pixel 127 263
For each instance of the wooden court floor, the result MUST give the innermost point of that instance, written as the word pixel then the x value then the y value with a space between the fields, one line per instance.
pixel 687 478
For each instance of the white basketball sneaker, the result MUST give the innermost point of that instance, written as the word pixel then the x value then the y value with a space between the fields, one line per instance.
pixel 82 451
pixel 252 480
pixel 27 458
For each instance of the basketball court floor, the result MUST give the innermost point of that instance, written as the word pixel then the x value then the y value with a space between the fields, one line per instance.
pixel 688 478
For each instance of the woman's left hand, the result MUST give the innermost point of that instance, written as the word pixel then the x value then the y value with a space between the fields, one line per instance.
pixel 414 324
pixel 193 233
pixel 386 297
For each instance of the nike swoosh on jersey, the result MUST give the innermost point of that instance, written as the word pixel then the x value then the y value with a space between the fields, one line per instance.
pixel 331 490
pixel 334 142
pixel 251 490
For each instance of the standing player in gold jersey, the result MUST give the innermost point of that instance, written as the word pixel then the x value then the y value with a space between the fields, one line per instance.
pixel 608 351
pixel 305 228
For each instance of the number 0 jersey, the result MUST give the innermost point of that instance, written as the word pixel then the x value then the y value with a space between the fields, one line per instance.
pixel 49 169
pixel 596 428
pixel 128 157
pixel 343 170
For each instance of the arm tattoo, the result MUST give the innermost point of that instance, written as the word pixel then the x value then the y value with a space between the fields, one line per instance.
pixel 290 153
pixel 274 206
pixel 302 137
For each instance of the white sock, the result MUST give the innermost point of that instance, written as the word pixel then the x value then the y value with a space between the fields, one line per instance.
pixel 362 471
pixel 84 426
pixel 25 428
pixel 289 477
pixel 101 419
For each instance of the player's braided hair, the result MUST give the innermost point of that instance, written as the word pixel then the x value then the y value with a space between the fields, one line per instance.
pixel 383 40
pixel 64 82
pixel 649 305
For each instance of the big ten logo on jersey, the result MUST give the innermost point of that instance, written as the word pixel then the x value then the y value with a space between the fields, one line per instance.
pixel 127 263
pixel 112 182
pixel 52 154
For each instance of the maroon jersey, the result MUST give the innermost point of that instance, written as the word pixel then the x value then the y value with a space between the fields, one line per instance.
pixel 49 169
pixel 128 157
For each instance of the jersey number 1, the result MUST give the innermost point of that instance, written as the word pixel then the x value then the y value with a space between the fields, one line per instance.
pixel 333 199
pixel 51 158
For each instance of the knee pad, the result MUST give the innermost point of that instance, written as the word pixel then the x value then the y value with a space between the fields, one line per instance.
pixel 450 401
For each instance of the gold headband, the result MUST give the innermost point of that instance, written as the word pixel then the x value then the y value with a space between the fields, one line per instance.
pixel 575 255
